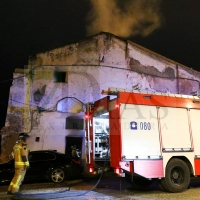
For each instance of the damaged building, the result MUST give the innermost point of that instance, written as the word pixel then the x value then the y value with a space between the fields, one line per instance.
pixel 48 98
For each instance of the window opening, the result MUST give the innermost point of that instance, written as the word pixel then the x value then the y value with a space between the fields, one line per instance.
pixel 60 77
pixel 37 139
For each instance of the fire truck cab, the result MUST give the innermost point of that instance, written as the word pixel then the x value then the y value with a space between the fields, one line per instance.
pixel 145 136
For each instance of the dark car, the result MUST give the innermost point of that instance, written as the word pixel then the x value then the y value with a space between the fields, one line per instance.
pixel 45 165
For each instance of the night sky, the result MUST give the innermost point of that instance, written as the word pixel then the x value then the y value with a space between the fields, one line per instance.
pixel 31 26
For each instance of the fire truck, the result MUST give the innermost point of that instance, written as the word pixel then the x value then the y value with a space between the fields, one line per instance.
pixel 148 136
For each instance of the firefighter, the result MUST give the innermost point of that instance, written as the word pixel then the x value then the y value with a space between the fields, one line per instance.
pixel 75 153
pixel 20 152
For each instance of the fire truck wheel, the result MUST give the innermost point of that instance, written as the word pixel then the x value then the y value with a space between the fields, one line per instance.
pixel 57 175
pixel 177 176
pixel 139 182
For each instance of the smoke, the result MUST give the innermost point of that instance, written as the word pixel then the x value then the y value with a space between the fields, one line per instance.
pixel 125 18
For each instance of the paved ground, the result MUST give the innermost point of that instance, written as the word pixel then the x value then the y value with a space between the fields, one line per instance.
pixel 67 190
pixel 109 188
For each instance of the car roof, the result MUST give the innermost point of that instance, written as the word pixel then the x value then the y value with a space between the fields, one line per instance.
pixel 47 151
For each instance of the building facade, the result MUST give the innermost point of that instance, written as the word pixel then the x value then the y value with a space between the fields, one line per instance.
pixel 47 100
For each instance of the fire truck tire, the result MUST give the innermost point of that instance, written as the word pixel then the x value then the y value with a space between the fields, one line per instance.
pixel 177 176
pixel 57 175
pixel 139 182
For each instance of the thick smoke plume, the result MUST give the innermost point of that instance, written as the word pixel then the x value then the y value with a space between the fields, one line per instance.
pixel 125 18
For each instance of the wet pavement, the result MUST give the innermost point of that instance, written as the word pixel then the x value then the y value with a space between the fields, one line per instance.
pixel 83 195
pixel 76 189
pixel 108 188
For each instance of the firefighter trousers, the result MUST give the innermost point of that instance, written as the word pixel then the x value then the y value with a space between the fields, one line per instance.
pixel 17 180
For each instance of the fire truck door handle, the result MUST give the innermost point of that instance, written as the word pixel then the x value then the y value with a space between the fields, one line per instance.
pixel 89 141
pixel 147 97
pixel 90 146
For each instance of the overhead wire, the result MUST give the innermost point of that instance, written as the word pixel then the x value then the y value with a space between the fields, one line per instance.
pixel 104 66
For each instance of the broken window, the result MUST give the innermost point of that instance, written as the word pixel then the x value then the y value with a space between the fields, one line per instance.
pixel 60 77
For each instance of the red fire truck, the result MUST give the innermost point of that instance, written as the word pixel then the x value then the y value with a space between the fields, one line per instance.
pixel 147 136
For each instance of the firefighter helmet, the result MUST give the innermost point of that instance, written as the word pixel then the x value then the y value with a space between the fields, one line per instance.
pixel 74 147
pixel 23 136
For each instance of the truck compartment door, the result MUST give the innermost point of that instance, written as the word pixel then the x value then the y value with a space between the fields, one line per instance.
pixel 175 129
pixel 140 133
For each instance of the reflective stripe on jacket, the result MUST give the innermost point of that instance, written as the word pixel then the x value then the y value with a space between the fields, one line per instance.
pixel 20 155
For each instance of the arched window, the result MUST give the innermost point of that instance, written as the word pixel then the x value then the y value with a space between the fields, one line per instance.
pixel 69 104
